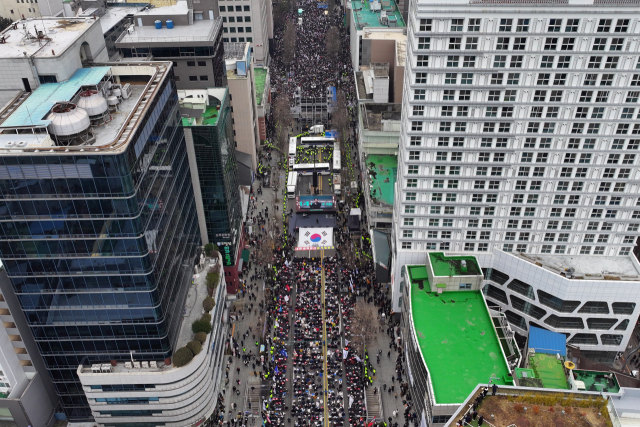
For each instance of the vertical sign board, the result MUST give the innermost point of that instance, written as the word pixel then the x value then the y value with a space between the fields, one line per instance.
pixel 228 257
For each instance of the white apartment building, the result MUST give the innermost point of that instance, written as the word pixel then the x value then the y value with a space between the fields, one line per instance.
pixel 520 138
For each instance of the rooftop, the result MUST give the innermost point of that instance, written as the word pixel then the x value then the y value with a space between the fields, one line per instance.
pixel 180 7
pixel 452 265
pixel 57 34
pixel 33 113
pixel 260 77
pixel 521 406
pixel 606 382
pixel 458 342
pixel 588 267
pixel 549 369
pixel 201 107
pixel 235 50
pixel 365 15
pixel 201 30
pixel 383 173
pixel 113 15
pixel 382 117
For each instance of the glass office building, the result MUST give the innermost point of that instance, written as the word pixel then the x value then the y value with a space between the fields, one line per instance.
pixel 209 133
pixel 100 239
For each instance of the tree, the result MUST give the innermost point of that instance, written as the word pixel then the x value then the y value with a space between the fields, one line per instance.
pixel 194 346
pixel 363 326
pixel 201 326
pixel 340 119
pixel 208 304
pixel 182 356
pixel 333 43
pixel 4 23
pixel 210 250
pixel 200 336
pixel 282 119
pixel 280 11
pixel 289 45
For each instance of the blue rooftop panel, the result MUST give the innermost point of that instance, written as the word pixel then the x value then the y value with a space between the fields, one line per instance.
pixel 33 110
pixel 547 342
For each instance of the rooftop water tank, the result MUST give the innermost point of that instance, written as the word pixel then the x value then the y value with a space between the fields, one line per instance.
pixel 67 119
pixel 158 24
pixel 169 24
pixel 93 103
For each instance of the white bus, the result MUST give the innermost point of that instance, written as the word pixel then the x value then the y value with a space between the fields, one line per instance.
pixel 310 167
pixel 291 183
pixel 336 161
pixel 314 140
pixel 292 146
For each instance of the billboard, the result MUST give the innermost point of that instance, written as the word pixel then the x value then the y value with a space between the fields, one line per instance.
pixel 320 203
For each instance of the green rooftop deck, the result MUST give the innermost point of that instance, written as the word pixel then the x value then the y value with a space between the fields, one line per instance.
pixel 451 266
pixel 209 118
pixel 596 381
pixel 549 370
pixel 458 342
pixel 383 173
pixel 364 17
pixel 260 77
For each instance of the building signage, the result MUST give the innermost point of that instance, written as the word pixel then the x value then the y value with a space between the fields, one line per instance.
pixel 228 257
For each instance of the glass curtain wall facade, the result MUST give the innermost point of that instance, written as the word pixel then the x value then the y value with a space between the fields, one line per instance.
pixel 100 248
pixel 217 173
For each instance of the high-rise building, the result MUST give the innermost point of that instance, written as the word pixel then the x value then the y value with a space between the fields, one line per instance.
pixel 153 392
pixel 241 79
pixel 190 38
pixel 100 227
pixel 208 130
pixel 519 143
pixel 250 22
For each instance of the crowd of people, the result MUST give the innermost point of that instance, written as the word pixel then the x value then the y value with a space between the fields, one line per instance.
pixel 297 389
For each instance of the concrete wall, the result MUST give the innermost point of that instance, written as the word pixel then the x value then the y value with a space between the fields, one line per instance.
pixel 9 360
pixel 27 337
pixel 183 71
pixel 245 115
pixel 195 181
pixel 397 82
pixel 36 403
pixel 149 20
pixel 14 70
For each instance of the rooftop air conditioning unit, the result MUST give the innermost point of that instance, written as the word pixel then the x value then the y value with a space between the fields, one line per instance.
pixel 128 365
pixel 153 364
pixel 145 365
pixel 136 365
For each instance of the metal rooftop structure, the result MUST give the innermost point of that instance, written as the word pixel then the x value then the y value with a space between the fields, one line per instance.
pixel 34 109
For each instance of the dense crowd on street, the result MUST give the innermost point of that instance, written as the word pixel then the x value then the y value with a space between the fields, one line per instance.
pixel 288 290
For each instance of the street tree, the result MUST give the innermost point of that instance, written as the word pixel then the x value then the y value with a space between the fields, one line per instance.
pixel 282 119
pixel 289 42
pixel 364 326
pixel 340 119
pixel 280 11
pixel 333 43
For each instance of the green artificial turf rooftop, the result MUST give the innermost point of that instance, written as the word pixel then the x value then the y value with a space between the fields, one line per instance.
pixel 458 342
